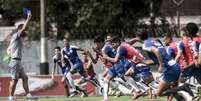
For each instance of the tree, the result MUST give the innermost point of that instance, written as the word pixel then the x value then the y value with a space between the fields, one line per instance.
pixel 83 16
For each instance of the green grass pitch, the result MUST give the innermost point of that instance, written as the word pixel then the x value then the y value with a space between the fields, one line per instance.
pixel 111 98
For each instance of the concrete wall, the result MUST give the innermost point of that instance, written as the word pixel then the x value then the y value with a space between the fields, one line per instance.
pixel 31 55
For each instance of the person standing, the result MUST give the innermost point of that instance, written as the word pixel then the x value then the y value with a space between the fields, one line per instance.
pixel 15 65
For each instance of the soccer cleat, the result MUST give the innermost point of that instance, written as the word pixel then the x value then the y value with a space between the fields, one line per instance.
pixel 136 95
pixel 118 94
pixel 11 99
pixel 73 94
pixel 30 97
pixel 84 95
pixel 105 100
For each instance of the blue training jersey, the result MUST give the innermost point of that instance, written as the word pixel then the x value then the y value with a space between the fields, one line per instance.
pixel 57 60
pixel 148 44
pixel 71 54
pixel 108 50
pixel 167 59
pixel 171 52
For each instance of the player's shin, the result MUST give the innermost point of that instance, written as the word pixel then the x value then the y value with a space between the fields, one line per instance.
pixel 105 89
pixel 71 82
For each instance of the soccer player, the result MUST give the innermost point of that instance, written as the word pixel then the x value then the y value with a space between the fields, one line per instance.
pixel 127 52
pixel 104 48
pixel 15 65
pixel 88 66
pixel 70 52
pixel 187 48
pixel 65 69
pixel 172 47
pixel 167 66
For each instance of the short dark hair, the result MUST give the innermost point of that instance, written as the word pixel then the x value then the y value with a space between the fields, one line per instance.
pixel 192 29
pixel 57 47
pixel 99 39
pixel 143 35
pixel 116 39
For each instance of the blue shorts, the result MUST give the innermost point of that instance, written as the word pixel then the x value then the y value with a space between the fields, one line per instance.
pixel 171 74
pixel 143 70
pixel 191 71
pixel 128 65
pixel 78 67
pixel 118 70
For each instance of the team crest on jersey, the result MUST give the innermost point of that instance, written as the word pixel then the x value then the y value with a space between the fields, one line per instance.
pixel 69 51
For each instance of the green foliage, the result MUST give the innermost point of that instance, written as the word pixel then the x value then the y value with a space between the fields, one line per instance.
pixel 34 30
pixel 82 15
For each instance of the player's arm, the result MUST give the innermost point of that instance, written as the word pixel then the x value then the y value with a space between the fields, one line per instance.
pixel 53 69
pixel 180 51
pixel 62 58
pixel 133 41
pixel 94 60
pixel 148 49
pixel 199 59
pixel 199 55
pixel 157 53
pixel 97 51
pixel 89 65
pixel 138 57
pixel 116 59
pixel 171 52
pixel 26 22
pixel 77 48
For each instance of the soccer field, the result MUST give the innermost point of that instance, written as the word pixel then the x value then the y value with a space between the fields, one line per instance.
pixel 123 98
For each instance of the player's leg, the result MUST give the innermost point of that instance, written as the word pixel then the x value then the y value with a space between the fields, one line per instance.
pixel 110 75
pixel 12 87
pixel 169 77
pixel 93 80
pixel 163 85
pixel 13 69
pixel 24 80
pixel 106 87
pixel 148 80
pixel 80 69
pixel 72 84
pixel 64 80
pixel 103 75
pixel 197 74
pixel 129 79
pixel 24 77
pixel 66 87
pixel 68 77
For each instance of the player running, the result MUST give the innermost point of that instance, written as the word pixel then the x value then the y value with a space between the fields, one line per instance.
pixel 70 53
pixel 167 66
pixel 126 51
pixel 104 48
pixel 88 66
pixel 188 48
